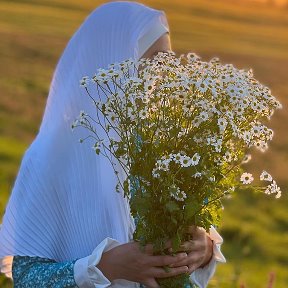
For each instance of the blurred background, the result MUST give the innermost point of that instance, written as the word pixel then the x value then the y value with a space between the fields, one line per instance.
pixel 249 34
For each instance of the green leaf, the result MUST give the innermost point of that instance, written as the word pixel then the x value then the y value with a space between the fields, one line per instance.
pixel 126 186
pixel 176 242
pixel 191 209
pixel 173 189
pixel 171 206
pixel 120 152
pixel 139 205
pixel 174 220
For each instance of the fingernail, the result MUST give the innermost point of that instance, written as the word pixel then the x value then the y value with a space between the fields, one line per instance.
pixel 183 255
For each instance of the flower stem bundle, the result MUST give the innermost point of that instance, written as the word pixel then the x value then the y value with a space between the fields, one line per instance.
pixel 179 128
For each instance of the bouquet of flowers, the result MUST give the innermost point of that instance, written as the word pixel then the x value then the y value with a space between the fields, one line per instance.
pixel 180 129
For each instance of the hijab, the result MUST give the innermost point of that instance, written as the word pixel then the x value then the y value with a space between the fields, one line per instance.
pixel 64 203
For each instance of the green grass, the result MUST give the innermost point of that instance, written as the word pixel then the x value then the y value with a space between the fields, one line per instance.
pixel 10 155
pixel 33 35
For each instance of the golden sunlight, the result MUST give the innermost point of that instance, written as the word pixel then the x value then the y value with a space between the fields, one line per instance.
pixel 281 3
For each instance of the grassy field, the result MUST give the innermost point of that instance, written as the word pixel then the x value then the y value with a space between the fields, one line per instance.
pixel 33 35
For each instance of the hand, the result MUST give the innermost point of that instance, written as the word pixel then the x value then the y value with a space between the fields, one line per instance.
pixel 199 249
pixel 129 262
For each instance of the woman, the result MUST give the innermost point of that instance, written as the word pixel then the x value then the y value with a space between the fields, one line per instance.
pixel 64 223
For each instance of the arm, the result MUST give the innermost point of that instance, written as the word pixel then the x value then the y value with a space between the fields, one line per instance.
pixel 116 261
pixel 111 262
pixel 29 272
pixel 125 266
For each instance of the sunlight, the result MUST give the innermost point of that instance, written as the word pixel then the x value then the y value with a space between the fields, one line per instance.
pixel 280 3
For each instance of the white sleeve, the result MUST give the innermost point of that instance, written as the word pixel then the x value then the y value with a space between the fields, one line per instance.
pixel 201 276
pixel 86 274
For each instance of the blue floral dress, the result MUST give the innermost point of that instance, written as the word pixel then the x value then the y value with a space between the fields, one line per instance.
pixel 36 272
pixel 32 272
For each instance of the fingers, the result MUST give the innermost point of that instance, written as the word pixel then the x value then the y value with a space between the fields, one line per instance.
pixel 194 259
pixel 166 260
pixel 154 271
pixel 161 273
pixel 188 246
pixel 193 267
pixel 192 246
pixel 191 229
pixel 148 249
pixel 196 232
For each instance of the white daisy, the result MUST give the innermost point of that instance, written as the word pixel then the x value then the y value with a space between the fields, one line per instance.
pixel 261 145
pixel 246 136
pixel 196 122
pixel 212 179
pixel 82 114
pixel 195 159
pixel 112 117
pixel 84 81
pixel 197 175
pixel 265 176
pixel 278 195
pixel 154 108
pixel 177 158
pixel 203 116
pixel 246 178
pixel 143 114
pixel 222 123
pixel 130 113
pixel 246 158
pixel 185 161
pixel 181 196
pixel 164 166
pixel 201 86
pixel 198 139
pixel 273 188
pixel 177 194
pixel 155 173
pixel 227 157
pixel 239 110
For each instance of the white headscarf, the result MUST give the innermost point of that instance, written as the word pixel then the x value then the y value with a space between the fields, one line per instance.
pixel 63 203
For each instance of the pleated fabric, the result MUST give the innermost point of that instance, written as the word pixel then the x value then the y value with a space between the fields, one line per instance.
pixel 64 203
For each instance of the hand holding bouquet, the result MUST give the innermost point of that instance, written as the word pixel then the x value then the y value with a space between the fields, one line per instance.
pixel 179 128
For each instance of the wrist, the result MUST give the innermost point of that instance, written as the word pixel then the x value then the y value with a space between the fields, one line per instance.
pixel 106 266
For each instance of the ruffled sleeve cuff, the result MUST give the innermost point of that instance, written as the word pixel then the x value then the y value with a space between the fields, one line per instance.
pixel 201 276
pixel 86 274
